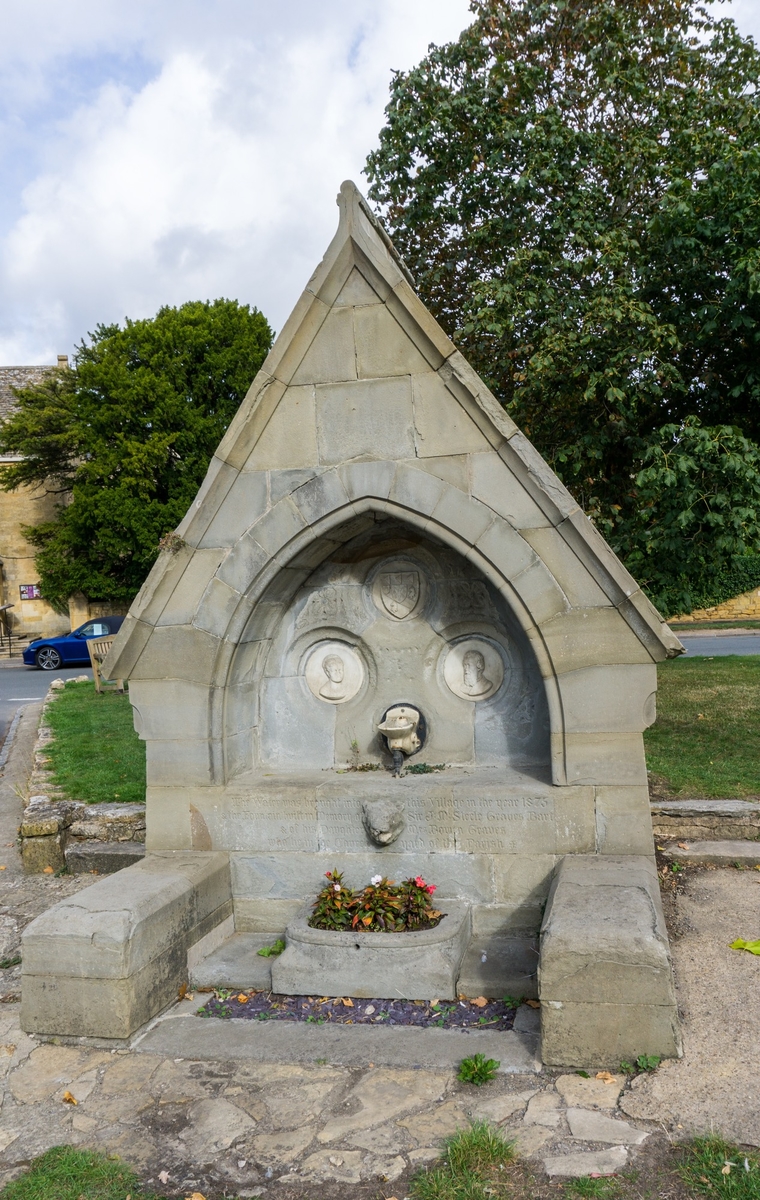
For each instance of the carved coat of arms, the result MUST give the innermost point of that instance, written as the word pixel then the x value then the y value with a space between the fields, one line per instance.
pixel 400 592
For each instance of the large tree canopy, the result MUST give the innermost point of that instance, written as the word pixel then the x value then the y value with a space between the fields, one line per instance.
pixel 126 438
pixel 576 186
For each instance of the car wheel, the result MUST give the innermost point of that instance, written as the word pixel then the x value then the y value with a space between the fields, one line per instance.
pixel 48 659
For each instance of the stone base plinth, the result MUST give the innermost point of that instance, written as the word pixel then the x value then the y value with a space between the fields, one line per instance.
pixel 605 976
pixel 406 966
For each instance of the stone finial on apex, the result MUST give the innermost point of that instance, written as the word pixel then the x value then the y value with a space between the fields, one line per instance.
pixel 352 203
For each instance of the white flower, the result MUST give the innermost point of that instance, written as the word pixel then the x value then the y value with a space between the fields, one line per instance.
pixel 336 887
pixel 376 879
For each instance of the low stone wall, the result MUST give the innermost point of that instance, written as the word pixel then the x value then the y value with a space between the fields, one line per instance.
pixel 746 606
pixel 706 820
pixel 56 832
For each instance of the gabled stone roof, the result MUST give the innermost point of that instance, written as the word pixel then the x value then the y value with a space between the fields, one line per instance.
pixel 361 387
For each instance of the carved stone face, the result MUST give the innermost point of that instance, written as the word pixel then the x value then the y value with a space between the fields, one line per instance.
pixel 383 819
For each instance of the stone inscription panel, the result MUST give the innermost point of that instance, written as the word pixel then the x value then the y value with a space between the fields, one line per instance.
pixel 428 824
pixel 505 825
pixel 286 820
pixel 439 818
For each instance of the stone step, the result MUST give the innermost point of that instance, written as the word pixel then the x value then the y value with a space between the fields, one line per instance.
pixel 237 963
pixel 102 857
pixel 706 819
pixel 719 854
pixel 183 1035
pixel 492 966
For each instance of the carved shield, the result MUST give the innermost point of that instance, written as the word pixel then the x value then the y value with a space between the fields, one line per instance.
pixel 400 592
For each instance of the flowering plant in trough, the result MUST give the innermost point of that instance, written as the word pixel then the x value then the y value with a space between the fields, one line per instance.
pixel 381 907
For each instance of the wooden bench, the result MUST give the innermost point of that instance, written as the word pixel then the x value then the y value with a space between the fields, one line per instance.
pixel 98 649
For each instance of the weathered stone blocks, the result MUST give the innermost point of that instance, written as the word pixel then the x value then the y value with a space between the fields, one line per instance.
pixel 605 976
pixel 105 961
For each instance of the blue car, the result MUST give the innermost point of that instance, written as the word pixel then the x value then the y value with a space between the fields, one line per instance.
pixel 70 649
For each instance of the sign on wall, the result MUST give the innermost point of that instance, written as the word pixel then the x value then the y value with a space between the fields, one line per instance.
pixel 30 591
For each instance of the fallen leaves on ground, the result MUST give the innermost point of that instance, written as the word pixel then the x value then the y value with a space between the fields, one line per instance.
pixel 47 870
pixel 69 1099
pixel 480 1001
pixel 163 1176
pixel 182 991
pixel 605 1077
pixel 533 1003
pixel 740 944
pixel 243 998
pixel 347 1002
pixel 682 846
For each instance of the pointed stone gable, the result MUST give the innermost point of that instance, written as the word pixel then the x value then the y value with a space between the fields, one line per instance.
pixel 365 405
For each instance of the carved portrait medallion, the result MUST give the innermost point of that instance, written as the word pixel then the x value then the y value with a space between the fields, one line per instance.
pixel 473 669
pixel 334 672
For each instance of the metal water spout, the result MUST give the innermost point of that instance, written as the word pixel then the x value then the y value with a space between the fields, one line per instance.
pixel 400 727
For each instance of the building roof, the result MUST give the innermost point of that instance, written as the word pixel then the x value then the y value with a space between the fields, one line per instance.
pixel 21 377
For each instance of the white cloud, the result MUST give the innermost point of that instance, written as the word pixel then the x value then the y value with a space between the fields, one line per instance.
pixel 157 153
pixel 217 176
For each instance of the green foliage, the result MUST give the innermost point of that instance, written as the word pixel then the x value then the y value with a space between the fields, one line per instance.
pixel 475 1166
pixel 333 905
pixel 598 1189
pixel 128 435
pixel 574 184
pixel 644 1062
pixel 96 756
pixel 705 742
pixel 477 1070
pixel 64 1173
pixel 272 951
pixel 378 907
pixel 696 511
pixel 381 907
pixel 703 1170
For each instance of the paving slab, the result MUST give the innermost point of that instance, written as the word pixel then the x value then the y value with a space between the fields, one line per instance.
pixel 715 1086
pixel 718 854
pixel 340 1045
pixel 595 1162
pixel 237 963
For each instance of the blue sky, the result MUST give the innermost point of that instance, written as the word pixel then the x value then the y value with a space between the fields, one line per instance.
pixel 155 153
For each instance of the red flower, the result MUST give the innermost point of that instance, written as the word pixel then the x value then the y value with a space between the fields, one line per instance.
pixel 430 888
pixel 420 881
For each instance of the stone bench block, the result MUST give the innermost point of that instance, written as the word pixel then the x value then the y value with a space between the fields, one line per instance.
pixel 103 962
pixel 414 966
pixel 605 975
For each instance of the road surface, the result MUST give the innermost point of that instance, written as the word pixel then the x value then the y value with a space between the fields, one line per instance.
pixel 20 684
pixel 708 647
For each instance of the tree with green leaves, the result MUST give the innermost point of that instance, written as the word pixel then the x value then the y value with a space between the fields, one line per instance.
pixel 576 186
pixel 125 438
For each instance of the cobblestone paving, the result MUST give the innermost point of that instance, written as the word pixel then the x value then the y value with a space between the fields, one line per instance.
pixel 242 1128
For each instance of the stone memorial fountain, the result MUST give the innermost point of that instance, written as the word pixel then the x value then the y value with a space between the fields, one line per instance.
pixel 387 641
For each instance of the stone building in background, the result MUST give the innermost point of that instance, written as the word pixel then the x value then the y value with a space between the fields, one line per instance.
pixel 19 586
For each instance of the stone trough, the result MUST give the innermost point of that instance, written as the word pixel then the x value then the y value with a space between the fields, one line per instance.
pixel 386 640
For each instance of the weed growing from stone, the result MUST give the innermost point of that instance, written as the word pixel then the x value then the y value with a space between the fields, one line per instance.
pixel 478 1069
pixel 273 950
pixel 64 1173
pixel 475 1166
pixel 712 1167
pixel 644 1062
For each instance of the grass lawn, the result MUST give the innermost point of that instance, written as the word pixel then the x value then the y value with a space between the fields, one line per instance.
pixel 67 1174
pixel 690 626
pixel 96 756
pixel 706 739
pixel 475 1164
